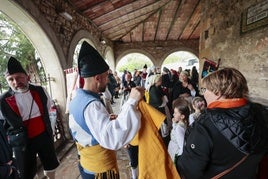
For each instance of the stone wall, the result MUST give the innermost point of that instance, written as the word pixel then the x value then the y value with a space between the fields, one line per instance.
pixel 63 29
pixel 248 52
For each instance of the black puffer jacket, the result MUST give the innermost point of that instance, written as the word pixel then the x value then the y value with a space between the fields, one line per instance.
pixel 222 137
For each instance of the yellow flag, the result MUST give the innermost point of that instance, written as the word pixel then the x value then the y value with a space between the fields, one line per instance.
pixel 154 160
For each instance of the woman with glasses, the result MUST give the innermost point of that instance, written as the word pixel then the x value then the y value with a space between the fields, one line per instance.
pixel 230 137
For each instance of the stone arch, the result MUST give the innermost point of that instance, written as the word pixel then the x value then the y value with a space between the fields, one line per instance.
pixel 84 35
pixel 179 49
pixel 176 50
pixel 109 56
pixel 78 37
pixel 136 51
pixel 51 54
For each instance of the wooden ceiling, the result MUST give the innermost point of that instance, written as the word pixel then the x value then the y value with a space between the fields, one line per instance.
pixel 143 20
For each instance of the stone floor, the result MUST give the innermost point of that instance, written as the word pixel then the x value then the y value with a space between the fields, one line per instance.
pixel 68 159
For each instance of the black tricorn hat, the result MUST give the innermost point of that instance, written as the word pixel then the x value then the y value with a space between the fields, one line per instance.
pixel 90 62
pixel 145 66
pixel 14 66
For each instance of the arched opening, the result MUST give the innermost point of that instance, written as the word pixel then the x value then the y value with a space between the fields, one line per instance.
pixel 185 60
pixel 133 61
pixel 182 61
pixel 109 57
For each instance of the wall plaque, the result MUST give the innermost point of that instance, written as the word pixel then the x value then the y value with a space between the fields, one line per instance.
pixel 254 17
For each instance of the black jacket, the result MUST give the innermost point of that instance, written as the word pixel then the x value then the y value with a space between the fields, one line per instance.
pixel 178 89
pixel 220 138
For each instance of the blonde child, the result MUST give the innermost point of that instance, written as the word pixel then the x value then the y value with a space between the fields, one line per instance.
pixel 180 123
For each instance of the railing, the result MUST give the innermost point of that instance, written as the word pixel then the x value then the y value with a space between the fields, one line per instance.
pixel 59 133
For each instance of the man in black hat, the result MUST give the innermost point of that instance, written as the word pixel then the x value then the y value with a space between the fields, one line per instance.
pixel 98 134
pixel 25 109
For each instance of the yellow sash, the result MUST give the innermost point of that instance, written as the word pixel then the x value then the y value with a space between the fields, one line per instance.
pixel 97 159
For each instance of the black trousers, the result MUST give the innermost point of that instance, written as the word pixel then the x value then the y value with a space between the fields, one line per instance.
pixel 133 152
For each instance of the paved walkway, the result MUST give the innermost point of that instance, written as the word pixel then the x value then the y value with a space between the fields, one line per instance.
pixel 68 159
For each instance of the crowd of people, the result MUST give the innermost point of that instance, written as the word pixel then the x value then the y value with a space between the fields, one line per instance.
pixel 221 109
pixel 211 128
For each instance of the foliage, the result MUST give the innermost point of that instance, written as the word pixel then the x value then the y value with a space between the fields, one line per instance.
pixel 179 57
pixel 137 61
pixel 133 61
pixel 172 59
pixel 14 43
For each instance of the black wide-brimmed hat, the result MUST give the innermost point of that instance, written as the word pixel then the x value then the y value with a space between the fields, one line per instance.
pixel 14 66
pixel 90 62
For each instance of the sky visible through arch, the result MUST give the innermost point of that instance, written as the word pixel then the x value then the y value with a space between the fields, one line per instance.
pixel 183 59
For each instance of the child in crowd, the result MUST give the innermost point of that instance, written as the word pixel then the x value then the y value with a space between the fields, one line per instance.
pixel 180 123
pixel 199 105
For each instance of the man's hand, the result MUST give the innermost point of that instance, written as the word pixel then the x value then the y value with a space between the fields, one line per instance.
pixel 137 93
pixel 113 116
pixel 190 87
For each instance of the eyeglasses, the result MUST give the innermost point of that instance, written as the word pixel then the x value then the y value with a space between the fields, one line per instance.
pixel 203 90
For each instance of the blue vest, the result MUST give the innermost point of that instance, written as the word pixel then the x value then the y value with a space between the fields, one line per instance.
pixel 77 107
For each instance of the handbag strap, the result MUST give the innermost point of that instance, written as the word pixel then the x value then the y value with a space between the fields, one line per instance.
pixel 30 112
pixel 230 169
pixel 31 109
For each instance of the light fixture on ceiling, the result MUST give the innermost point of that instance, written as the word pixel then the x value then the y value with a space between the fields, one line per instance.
pixel 62 12
pixel 102 41
pixel 159 47
pixel 66 15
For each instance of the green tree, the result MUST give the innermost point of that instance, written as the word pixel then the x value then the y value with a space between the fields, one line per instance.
pixel 172 58
pixel 134 61
pixel 14 43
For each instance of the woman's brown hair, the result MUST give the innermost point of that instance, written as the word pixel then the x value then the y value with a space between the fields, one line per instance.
pixel 227 82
